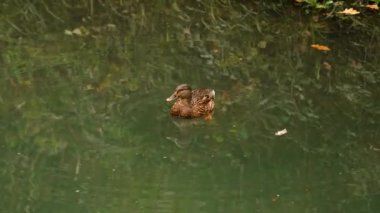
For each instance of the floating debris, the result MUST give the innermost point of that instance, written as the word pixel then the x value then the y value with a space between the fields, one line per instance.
pixel 373 6
pixel 281 132
pixel 349 12
pixel 320 47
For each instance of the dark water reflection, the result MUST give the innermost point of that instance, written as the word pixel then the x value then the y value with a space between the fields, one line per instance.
pixel 85 125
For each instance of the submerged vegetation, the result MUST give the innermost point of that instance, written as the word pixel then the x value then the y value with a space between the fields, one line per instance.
pixel 83 84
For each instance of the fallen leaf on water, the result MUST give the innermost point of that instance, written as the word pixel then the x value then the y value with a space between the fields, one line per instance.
pixel 373 6
pixel 320 47
pixel 349 11
pixel 281 132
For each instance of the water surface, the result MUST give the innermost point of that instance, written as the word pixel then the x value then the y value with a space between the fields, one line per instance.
pixel 85 126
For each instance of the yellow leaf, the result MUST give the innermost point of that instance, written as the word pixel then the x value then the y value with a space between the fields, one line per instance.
pixel 373 6
pixel 350 12
pixel 320 47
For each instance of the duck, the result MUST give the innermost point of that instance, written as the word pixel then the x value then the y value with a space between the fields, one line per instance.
pixel 189 103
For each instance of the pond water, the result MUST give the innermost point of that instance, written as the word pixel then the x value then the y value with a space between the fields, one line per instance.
pixel 85 125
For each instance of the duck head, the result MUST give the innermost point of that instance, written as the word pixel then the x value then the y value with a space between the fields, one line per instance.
pixel 182 91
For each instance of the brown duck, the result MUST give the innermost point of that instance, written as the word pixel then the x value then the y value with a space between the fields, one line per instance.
pixel 198 103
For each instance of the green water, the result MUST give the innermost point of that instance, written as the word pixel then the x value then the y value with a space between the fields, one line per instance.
pixel 85 126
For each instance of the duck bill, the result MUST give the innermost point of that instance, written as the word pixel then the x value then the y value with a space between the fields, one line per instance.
pixel 171 98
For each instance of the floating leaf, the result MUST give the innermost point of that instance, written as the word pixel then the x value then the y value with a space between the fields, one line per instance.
pixel 373 6
pixel 349 11
pixel 320 47
pixel 281 132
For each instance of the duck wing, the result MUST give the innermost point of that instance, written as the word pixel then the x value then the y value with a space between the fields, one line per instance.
pixel 202 102
pixel 202 96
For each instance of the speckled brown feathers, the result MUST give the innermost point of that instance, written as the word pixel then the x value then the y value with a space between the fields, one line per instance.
pixel 192 103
